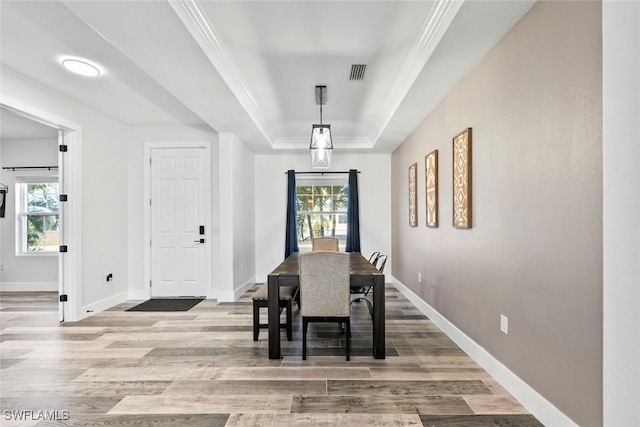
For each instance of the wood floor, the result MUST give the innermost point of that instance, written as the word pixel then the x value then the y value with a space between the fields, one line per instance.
pixel 202 368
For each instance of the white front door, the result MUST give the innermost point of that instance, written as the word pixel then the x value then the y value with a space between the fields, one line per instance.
pixel 179 221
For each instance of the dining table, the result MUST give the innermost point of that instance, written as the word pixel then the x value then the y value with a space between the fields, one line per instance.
pixel 362 275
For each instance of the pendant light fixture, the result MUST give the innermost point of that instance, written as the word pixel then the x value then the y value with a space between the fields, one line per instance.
pixel 321 145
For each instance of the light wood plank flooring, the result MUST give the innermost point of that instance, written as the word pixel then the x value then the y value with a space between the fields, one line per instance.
pixel 202 368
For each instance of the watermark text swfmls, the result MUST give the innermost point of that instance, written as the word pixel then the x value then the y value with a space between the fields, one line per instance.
pixel 31 415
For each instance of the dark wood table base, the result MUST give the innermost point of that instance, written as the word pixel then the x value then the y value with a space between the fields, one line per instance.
pixel 362 274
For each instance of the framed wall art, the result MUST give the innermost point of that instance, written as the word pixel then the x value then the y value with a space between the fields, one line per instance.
pixel 462 179
pixel 413 200
pixel 431 185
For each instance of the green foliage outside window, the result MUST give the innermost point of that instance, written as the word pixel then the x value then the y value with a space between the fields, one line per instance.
pixel 42 216
pixel 321 211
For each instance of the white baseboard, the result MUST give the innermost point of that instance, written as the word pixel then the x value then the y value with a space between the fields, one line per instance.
pixel 237 293
pixel 212 294
pixel 29 286
pixel 104 304
pixel 541 408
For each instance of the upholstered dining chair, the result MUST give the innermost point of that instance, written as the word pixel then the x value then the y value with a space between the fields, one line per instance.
pixel 324 292
pixel 374 257
pixel 324 244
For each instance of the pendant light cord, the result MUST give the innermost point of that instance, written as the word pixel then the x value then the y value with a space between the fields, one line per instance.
pixel 321 91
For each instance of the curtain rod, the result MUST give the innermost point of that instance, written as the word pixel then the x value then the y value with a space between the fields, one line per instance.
pixel 318 172
pixel 14 168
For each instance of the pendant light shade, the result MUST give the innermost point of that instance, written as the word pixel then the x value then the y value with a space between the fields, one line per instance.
pixel 321 145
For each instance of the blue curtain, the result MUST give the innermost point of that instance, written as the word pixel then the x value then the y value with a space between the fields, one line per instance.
pixel 291 239
pixel 353 214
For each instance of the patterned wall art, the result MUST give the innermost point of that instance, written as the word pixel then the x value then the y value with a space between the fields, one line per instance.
pixel 413 199
pixel 462 179
pixel 431 184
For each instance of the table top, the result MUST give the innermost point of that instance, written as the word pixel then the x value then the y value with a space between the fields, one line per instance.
pixel 359 266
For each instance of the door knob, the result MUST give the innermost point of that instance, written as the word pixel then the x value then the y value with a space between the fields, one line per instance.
pixel 199 241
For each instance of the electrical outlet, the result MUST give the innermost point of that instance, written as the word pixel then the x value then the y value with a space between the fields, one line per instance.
pixel 419 277
pixel 504 324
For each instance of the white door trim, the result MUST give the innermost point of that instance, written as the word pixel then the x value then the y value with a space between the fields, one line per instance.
pixel 70 264
pixel 148 146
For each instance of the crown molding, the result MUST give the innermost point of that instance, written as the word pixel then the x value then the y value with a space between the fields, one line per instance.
pixel 192 16
pixel 436 24
pixel 302 143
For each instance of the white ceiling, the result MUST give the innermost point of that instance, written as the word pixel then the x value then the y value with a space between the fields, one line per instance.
pixel 251 67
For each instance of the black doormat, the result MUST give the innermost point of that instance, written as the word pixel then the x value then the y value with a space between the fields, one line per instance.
pixel 167 304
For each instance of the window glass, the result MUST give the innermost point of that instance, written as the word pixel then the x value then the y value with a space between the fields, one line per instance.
pixel 39 217
pixel 322 212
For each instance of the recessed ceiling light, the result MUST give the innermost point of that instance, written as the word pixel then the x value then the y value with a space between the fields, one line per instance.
pixel 81 67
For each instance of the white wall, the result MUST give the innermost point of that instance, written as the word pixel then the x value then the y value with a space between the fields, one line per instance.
pixel 136 138
pixel 237 220
pixel 621 127
pixel 374 185
pixel 103 183
pixel 28 273
pixel 244 266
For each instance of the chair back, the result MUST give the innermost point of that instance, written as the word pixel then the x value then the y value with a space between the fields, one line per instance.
pixel 324 244
pixel 325 284
pixel 374 257
pixel 380 262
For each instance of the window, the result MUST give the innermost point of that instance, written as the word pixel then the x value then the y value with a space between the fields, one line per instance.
pixel 38 216
pixel 322 212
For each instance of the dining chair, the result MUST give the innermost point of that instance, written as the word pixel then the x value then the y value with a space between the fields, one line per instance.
pixel 373 259
pixel 324 244
pixel 379 262
pixel 324 292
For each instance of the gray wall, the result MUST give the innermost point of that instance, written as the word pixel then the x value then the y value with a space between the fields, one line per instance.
pixel 534 253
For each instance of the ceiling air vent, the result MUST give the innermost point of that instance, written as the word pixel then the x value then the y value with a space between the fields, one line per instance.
pixel 357 71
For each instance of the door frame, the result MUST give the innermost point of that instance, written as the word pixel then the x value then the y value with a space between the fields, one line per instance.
pixel 70 176
pixel 148 147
